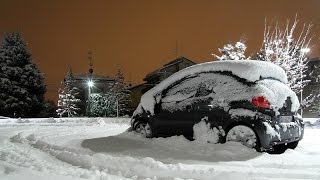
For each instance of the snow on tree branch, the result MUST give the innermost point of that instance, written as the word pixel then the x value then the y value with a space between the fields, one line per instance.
pixel 281 47
pixel 68 101
pixel 232 52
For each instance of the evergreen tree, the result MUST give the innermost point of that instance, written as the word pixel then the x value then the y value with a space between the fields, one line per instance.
pixel 22 85
pixel 121 94
pixel 68 101
pixel 232 52
pixel 50 109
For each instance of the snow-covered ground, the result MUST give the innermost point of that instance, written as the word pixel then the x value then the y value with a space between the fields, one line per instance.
pixel 101 149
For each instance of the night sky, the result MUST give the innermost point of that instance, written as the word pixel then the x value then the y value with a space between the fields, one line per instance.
pixel 139 36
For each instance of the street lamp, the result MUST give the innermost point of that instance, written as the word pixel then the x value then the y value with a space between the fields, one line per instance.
pixel 305 50
pixel 90 84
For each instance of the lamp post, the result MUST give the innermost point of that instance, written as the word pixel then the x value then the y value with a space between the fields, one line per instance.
pixel 304 51
pixel 90 84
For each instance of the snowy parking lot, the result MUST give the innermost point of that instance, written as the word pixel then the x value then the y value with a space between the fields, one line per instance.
pixel 102 149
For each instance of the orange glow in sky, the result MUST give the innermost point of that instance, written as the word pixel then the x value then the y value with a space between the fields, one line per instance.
pixel 139 36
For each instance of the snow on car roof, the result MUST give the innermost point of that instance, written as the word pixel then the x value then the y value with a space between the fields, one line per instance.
pixel 251 70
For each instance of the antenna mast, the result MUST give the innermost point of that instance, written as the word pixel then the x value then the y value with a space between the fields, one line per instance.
pixel 177 49
pixel 90 58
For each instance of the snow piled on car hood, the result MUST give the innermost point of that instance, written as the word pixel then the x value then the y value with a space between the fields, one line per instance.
pixel 251 70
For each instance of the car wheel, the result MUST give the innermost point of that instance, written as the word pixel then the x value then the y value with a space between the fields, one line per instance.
pixel 139 128
pixel 144 128
pixel 245 135
pixel 293 145
pixel 148 130
pixel 278 149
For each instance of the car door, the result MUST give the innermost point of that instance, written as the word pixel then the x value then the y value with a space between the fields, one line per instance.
pixel 210 106
pixel 177 122
pixel 176 115
pixel 205 111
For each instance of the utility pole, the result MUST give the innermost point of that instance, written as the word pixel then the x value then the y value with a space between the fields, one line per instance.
pixel 117 108
pixel 89 81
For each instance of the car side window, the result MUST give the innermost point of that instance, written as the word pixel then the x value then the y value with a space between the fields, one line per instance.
pixel 203 90
pixel 181 95
pixel 182 90
pixel 208 87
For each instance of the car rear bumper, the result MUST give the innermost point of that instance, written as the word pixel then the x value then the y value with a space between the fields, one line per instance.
pixel 281 133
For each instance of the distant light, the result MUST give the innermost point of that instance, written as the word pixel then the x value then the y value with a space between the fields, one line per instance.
pixel 90 83
pixel 305 50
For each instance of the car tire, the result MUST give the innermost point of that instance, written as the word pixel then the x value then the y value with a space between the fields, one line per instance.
pixel 245 135
pixel 143 128
pixel 148 130
pixel 293 145
pixel 279 149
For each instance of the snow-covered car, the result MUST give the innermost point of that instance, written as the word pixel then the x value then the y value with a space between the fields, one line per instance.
pixel 246 101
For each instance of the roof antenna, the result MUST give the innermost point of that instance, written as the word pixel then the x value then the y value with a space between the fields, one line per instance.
pixel 177 49
pixel 90 58
pixel 69 69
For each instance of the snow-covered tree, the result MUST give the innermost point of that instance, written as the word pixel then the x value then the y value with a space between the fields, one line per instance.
pixel 50 109
pixel 68 101
pixel 102 105
pixel 22 85
pixel 282 48
pixel 121 94
pixel 232 52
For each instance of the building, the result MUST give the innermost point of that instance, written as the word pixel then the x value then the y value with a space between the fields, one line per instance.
pixel 313 74
pixel 167 70
pixel 155 77
pixel 89 83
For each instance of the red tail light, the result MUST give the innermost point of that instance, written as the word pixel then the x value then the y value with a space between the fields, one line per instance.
pixel 261 102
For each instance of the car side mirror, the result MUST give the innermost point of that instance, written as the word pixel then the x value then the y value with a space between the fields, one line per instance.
pixel 157 108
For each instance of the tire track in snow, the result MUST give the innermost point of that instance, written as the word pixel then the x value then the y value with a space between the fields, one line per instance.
pixel 135 168
pixel 22 156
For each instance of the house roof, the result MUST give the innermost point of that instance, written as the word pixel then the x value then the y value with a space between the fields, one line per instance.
pixel 137 86
pixel 93 76
pixel 178 60
pixel 171 63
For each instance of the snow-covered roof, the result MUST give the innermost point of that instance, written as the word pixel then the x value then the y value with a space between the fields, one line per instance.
pixel 251 70
pixel 171 63
pixel 85 76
